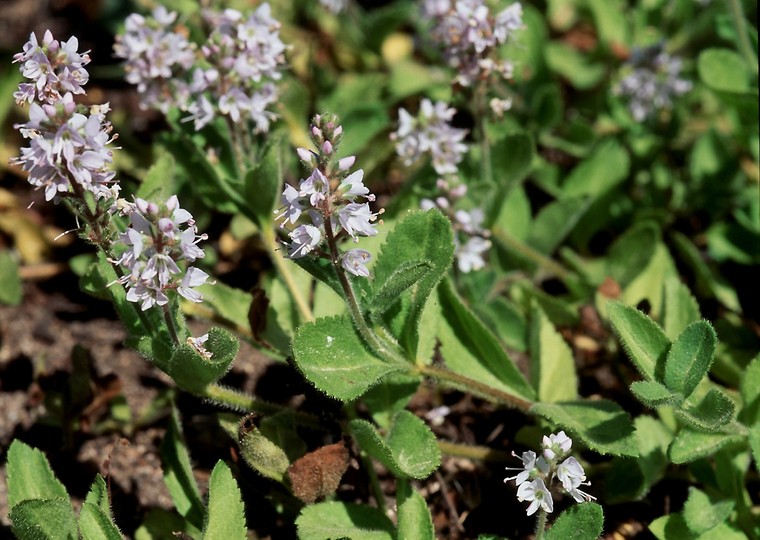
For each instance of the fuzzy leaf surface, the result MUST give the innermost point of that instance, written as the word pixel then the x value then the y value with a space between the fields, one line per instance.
pixel 48 519
pixel 421 236
pixel 333 358
pixel 715 410
pixel 553 368
pixel 30 476
pixel 642 338
pixel 690 357
pixel 690 445
pixel 680 308
pixel 653 394
pixel 701 513
pixel 225 517
pixel 193 372
pixel 343 520
pixel 579 522
pixel 601 425
pixel 98 495
pixel 414 519
pixel 95 524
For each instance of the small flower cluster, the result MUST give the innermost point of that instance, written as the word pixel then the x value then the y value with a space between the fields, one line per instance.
pixel 68 155
pixel 68 145
pixel 538 471
pixel 430 132
pixel 158 236
pixel 469 36
pixel 54 67
pixel 156 57
pixel 335 202
pixel 653 82
pixel 231 74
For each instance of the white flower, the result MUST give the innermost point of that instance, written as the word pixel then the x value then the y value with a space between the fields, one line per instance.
pixel 470 256
pixel 572 475
pixel 356 219
pixel 556 446
pixel 536 492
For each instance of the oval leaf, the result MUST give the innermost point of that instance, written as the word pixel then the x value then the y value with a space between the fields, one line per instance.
pixel 30 476
pixel 643 340
pixel 225 517
pixel 689 358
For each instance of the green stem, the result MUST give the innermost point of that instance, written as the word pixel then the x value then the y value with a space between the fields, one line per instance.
pixel 353 306
pixel 283 269
pixel 475 387
pixel 540 524
pixel 374 481
pixel 741 34
pixel 486 169
pixel 551 266
pixel 481 453
pixel 237 400
pixel 170 324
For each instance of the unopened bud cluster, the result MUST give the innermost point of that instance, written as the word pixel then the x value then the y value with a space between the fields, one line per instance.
pixel 470 35
pixel 539 474
pixel 231 74
pixel 334 202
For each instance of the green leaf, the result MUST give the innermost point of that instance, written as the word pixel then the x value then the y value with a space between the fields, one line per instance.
pixel 30 476
pixel 333 358
pixel 343 520
pixel 674 527
pixel 225 517
pixel 421 236
pixel 11 292
pixel 690 445
pixel 363 122
pixel 553 366
pixel 98 495
pixel 680 308
pixel 263 184
pixel 160 524
pixel 573 65
pixel 414 520
pixel 405 276
pixel 554 222
pixel 754 443
pixel 410 451
pixel 95 524
pixel 595 175
pixel 579 522
pixel 653 394
pixel 701 513
pixel 611 22
pixel 50 519
pixel 690 357
pixel 631 252
pixel 723 70
pixel 194 372
pixel 389 397
pixel 601 425
pixel 750 390
pixel 642 338
pixel 178 475
pixel 469 348
pixel 511 159
pixel 158 184
pixel 714 411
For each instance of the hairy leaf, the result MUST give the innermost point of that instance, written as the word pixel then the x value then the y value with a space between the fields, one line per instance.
pixel 95 524
pixel 680 308
pixel 344 520
pixel 30 476
pixel 653 394
pixel 553 366
pixel 414 520
pixel 225 516
pixel 49 519
pixel 642 338
pixel 579 522
pixel 690 357
pixel 690 445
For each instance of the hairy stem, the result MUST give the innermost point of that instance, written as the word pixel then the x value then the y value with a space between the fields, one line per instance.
pixel 481 112
pixel 481 453
pixel 528 252
pixel 230 398
pixel 466 384
pixel 540 524
pixel 170 323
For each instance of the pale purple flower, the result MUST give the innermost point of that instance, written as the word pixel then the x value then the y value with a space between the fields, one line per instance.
pixel 158 237
pixel 353 187
pixel 292 208
pixel 355 261
pixel 470 255
pixel 357 220
pixel 304 239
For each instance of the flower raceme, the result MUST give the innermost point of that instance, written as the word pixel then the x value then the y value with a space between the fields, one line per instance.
pixel 538 474
pixel 158 237
pixel 335 202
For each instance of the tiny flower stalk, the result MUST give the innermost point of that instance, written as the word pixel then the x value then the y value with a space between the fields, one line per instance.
pixel 331 204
